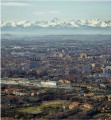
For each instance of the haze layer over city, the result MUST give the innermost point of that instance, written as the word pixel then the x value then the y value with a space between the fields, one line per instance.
pixel 55 60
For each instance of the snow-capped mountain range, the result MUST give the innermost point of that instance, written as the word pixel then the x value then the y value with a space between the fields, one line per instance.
pixel 58 23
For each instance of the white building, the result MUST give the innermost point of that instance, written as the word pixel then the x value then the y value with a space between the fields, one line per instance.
pixel 49 83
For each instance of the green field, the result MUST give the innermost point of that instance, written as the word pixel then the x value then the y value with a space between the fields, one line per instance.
pixel 30 109
pixel 43 107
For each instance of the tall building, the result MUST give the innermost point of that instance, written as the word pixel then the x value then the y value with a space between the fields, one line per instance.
pixel 85 69
pixel 34 63
pixel 107 71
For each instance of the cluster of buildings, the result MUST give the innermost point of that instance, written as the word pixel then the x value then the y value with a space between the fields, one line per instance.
pixel 82 69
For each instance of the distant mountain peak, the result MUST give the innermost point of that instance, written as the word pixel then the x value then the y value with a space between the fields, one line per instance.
pixel 58 23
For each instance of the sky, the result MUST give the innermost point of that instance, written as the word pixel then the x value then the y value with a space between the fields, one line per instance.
pixel 38 10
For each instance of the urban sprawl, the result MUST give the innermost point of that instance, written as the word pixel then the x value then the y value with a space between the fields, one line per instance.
pixel 56 77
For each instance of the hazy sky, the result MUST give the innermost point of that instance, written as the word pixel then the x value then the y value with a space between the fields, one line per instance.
pixel 30 10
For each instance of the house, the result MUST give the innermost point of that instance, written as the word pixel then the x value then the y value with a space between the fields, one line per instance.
pixel 15 91
pixel 64 81
pixel 89 95
pixel 87 106
pixel 33 93
pixel 73 105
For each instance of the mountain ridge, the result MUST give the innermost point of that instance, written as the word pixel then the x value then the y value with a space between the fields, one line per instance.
pixel 58 23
